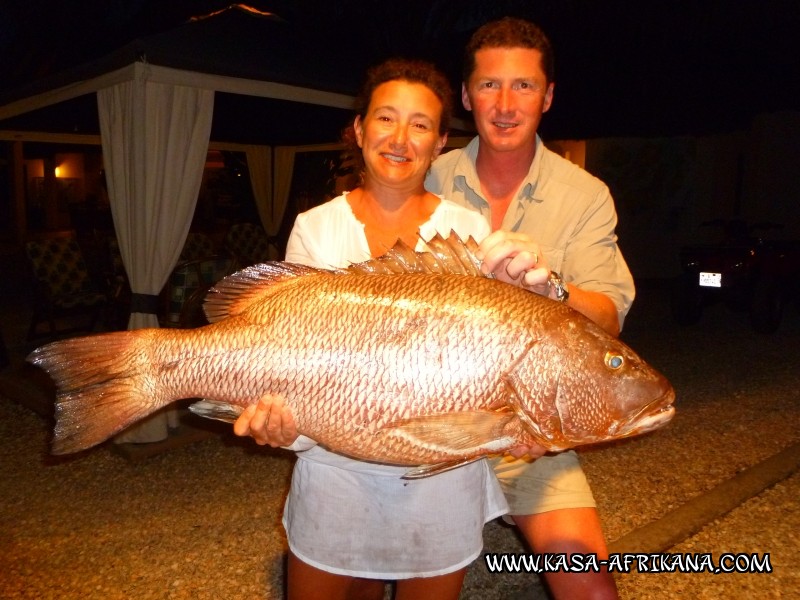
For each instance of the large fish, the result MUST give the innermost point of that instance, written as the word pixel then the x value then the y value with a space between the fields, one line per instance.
pixel 412 359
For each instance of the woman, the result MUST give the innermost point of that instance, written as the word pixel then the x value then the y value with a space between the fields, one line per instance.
pixel 352 524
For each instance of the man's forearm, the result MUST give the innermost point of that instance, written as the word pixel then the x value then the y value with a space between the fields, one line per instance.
pixel 596 306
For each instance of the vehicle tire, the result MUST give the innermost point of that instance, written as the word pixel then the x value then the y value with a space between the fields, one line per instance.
pixel 766 308
pixel 686 301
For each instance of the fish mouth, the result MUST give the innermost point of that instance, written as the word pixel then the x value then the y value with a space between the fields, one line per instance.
pixel 652 421
pixel 656 414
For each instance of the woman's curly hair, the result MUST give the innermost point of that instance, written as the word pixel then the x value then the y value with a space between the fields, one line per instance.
pixel 400 69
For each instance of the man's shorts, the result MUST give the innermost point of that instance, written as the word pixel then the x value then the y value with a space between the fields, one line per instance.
pixel 548 483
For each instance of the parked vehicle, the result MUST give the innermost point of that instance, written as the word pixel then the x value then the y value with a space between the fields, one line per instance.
pixel 743 268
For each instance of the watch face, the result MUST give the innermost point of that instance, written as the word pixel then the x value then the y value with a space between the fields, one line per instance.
pixel 561 291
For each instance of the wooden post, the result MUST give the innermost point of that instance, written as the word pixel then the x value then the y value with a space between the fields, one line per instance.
pixel 50 200
pixel 18 192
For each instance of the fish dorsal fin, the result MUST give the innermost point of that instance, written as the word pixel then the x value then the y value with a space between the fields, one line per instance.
pixel 455 255
pixel 235 293
pixel 443 255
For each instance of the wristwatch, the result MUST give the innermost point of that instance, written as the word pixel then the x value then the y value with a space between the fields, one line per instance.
pixel 557 284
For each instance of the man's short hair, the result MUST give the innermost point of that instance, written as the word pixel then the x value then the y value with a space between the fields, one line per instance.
pixel 509 32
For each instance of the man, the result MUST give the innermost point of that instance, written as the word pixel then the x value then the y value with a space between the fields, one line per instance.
pixel 553 233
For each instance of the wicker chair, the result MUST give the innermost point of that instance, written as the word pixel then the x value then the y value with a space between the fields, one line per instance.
pixel 187 287
pixel 197 246
pixel 62 285
pixel 250 244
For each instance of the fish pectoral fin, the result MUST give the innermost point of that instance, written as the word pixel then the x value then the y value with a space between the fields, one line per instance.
pixel 467 436
pixel 428 470
pixel 462 434
pixel 221 411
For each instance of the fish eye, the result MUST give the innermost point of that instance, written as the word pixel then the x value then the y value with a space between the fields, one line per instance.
pixel 614 361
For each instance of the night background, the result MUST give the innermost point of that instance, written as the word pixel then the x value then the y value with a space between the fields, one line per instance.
pixel 644 68
pixel 689 111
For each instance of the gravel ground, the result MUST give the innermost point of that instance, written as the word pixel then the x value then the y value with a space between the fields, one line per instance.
pixel 768 523
pixel 202 521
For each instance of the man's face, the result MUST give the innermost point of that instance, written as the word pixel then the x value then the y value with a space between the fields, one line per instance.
pixel 507 92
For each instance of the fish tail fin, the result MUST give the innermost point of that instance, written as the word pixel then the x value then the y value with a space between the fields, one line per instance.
pixel 102 386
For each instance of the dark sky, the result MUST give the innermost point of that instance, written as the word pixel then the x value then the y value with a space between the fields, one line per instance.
pixel 623 67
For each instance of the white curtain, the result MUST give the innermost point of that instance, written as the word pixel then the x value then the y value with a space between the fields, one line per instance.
pixel 155 139
pixel 282 183
pixel 259 164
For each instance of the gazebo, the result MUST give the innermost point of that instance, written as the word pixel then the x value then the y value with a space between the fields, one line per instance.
pixel 236 80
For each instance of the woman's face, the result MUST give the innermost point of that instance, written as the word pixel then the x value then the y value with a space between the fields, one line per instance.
pixel 399 136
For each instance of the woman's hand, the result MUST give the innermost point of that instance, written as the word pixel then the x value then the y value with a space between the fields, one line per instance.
pixel 533 452
pixel 267 421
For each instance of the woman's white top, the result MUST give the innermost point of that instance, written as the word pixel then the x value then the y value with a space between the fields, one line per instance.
pixel 359 518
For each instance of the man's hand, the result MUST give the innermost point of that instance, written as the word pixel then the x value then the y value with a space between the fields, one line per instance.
pixel 515 258
pixel 267 421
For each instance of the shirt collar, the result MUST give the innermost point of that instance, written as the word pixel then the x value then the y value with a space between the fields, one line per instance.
pixel 468 174
pixel 531 182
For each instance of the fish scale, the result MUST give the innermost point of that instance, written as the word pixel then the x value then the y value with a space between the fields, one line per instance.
pixel 398 360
